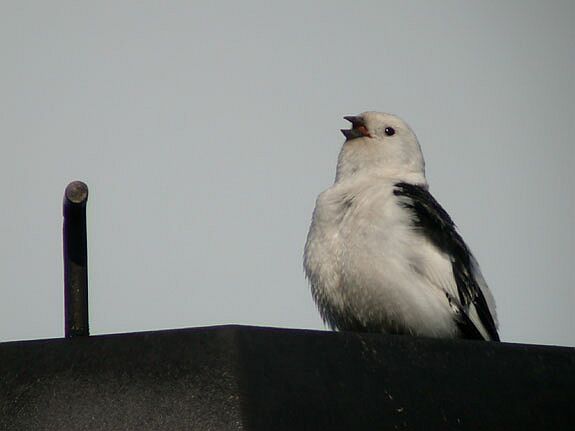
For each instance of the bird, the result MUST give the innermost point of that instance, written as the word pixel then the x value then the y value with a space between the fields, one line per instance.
pixel 382 255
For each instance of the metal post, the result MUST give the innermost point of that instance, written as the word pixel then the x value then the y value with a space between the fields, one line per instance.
pixel 75 260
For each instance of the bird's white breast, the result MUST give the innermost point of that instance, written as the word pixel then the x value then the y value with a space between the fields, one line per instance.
pixel 361 258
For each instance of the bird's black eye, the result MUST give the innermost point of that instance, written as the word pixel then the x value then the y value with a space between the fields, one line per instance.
pixel 389 131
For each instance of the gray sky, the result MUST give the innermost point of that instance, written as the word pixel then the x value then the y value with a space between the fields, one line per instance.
pixel 206 131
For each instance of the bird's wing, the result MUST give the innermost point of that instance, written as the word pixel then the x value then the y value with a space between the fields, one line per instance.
pixel 470 296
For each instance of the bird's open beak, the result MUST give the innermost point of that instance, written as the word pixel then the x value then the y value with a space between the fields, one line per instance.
pixel 358 129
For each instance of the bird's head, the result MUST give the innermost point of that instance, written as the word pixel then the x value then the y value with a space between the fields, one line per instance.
pixel 380 144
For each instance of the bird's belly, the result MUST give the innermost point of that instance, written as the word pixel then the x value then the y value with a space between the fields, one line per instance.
pixel 380 285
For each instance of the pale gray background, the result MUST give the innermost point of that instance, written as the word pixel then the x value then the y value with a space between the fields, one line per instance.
pixel 206 131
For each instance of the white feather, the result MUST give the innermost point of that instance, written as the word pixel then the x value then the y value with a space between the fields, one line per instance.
pixel 365 261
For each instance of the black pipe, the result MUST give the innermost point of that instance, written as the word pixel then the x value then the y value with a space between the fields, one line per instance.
pixel 75 260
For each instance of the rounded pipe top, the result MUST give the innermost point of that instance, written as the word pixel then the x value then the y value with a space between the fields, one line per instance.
pixel 76 192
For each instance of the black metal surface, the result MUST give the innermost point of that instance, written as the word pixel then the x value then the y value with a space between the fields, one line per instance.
pixel 296 380
pixel 75 260
pixel 245 378
pixel 148 381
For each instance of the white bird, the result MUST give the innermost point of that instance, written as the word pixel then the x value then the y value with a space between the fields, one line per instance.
pixel 381 254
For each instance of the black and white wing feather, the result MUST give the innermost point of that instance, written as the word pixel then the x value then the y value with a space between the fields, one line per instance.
pixel 470 298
